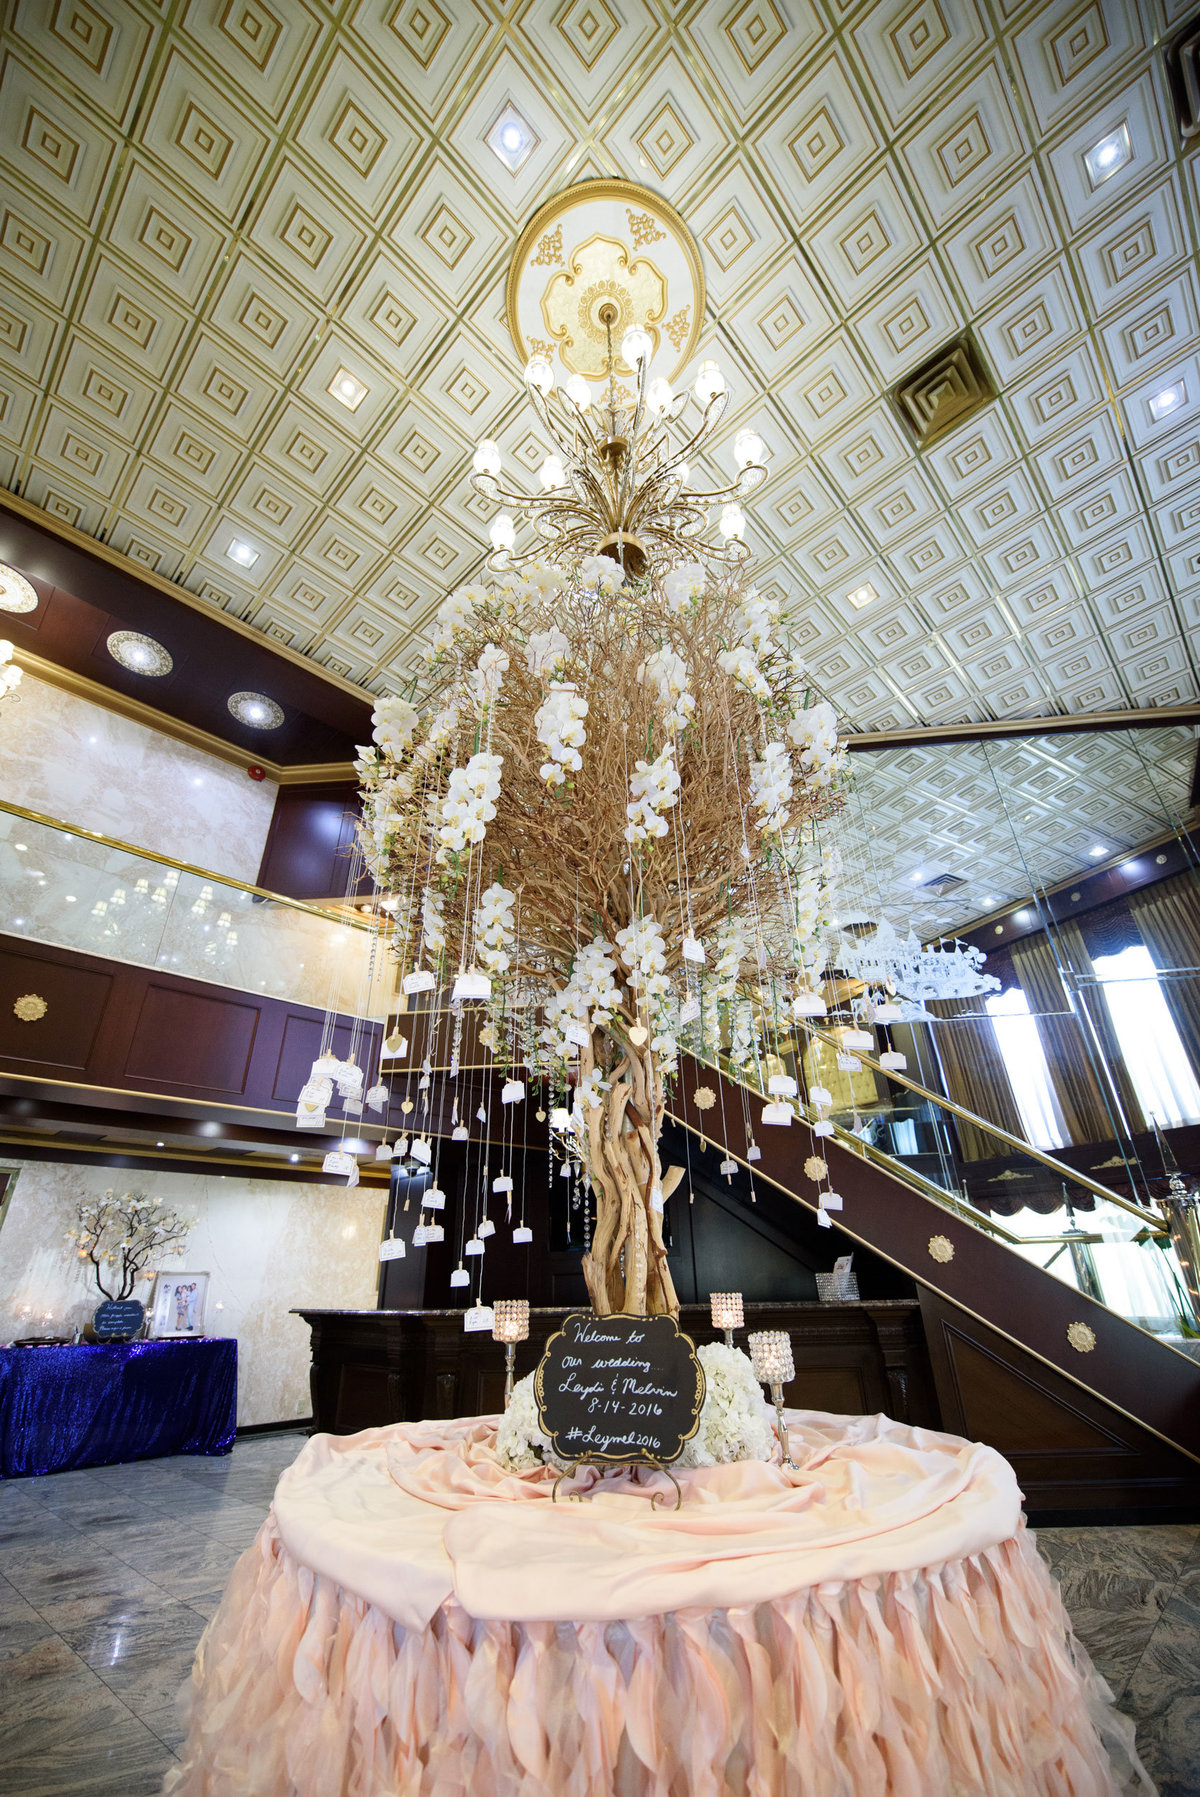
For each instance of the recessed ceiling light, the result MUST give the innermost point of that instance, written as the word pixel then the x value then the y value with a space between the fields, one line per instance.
pixel 1167 400
pixel 512 139
pixel 16 594
pixel 347 389
pixel 862 595
pixel 256 710
pixel 1104 158
pixel 1023 917
pixel 1098 851
pixel 1131 868
pixel 989 898
pixel 140 654
pixel 293 1157
pixel 242 554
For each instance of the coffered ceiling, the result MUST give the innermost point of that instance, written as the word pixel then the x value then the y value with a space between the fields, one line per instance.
pixel 1003 819
pixel 210 207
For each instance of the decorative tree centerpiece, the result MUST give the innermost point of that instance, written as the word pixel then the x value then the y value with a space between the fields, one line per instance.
pixel 596 820
pixel 121 1234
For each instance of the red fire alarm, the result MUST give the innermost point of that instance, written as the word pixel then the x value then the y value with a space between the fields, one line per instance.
pixel 255 772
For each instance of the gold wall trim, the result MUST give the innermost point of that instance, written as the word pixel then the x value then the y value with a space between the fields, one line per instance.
pixel 138 712
pixel 1076 723
pixel 327 913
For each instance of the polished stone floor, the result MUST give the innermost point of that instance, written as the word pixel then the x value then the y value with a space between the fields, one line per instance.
pixel 108 1576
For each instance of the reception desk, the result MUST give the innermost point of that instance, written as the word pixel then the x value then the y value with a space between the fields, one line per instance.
pixel 371 1367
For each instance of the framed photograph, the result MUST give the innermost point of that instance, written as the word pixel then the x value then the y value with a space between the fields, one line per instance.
pixel 178 1305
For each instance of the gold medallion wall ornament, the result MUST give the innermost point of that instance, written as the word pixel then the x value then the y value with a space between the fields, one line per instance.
pixel 602 245
pixel 30 1007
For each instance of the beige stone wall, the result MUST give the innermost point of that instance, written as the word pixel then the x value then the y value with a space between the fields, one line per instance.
pixel 268 1244
pixel 68 758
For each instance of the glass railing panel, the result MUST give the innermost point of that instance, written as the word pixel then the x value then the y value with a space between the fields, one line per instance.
pixel 1098 1240
pixel 84 892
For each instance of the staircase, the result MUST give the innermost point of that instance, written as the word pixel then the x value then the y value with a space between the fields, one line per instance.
pixel 1096 1414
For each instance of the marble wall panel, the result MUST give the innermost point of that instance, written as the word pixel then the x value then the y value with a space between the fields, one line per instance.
pixel 69 758
pixel 269 1245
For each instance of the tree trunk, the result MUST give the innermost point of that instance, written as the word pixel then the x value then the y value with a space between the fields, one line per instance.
pixel 626 1267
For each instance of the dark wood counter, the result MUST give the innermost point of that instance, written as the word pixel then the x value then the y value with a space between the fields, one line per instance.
pixel 390 1366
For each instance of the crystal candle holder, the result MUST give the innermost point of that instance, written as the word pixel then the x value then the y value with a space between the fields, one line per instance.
pixel 726 1313
pixel 511 1320
pixel 510 1325
pixel 771 1356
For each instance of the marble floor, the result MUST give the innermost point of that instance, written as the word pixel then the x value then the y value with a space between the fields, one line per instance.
pixel 108 1576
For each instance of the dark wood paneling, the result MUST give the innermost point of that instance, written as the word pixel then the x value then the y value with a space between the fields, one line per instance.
pixel 63 1040
pixel 1071 1452
pixel 202 1041
pixel 308 847
pixel 374 1367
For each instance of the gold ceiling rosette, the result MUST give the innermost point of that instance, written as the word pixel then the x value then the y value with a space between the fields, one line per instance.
pixel 599 258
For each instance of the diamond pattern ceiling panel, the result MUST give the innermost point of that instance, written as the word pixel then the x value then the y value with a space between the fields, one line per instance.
pixel 217 222
pixel 1002 817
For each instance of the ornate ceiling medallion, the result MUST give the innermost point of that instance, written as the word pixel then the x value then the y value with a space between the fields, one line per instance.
pixel 255 710
pixel 598 246
pixel 16 593
pixel 140 654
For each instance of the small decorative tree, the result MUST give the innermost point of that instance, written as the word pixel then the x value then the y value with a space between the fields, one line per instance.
pixel 120 1233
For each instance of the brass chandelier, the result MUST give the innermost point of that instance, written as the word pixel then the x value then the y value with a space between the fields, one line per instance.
pixel 618 482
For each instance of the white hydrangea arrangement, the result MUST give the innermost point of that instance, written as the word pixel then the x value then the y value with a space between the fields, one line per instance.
pixel 736 1422
pixel 520 1444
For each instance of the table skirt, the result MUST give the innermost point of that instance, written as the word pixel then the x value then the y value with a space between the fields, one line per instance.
pixel 958 1680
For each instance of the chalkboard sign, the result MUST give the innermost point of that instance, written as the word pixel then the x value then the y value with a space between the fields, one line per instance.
pixel 118 1319
pixel 619 1389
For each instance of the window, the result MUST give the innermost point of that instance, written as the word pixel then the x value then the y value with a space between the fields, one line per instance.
pixel 1147 1037
pixel 1025 1064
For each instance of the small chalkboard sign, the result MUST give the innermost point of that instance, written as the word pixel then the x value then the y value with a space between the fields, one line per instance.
pixel 118 1319
pixel 619 1389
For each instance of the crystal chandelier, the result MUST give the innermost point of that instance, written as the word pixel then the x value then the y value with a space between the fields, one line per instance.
pixel 618 482
pixel 899 966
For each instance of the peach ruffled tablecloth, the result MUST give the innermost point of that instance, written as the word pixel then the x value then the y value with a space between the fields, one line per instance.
pixel 412 1621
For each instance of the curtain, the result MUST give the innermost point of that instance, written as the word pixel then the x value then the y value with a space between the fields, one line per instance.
pixel 1076 1087
pixel 973 1074
pixel 1168 920
pixel 1077 942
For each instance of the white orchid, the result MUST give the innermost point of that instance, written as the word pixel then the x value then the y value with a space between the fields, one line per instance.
pixel 653 787
pixel 545 650
pixel 560 730
pixel 771 786
pixel 494 927
pixel 470 804
pixel 685 584
pixel 394 721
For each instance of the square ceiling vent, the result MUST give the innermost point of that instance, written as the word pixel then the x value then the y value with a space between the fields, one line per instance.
pixel 941 884
pixel 943 392
pixel 1182 60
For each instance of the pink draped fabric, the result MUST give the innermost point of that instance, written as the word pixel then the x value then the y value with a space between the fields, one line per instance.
pixel 955 1676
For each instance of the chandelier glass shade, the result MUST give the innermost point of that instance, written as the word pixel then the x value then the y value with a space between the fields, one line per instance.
pixel 618 480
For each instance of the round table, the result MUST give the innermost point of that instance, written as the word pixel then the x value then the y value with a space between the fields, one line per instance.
pixel 414 1621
